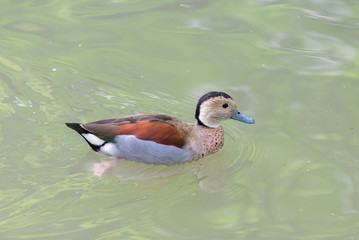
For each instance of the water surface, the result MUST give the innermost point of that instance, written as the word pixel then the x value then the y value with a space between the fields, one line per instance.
pixel 292 66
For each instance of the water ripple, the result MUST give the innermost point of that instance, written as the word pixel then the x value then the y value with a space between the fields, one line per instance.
pixel 29 28
pixel 314 52
pixel 219 24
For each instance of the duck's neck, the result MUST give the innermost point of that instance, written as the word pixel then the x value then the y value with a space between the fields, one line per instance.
pixel 200 123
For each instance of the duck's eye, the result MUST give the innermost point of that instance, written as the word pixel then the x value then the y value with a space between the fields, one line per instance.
pixel 224 105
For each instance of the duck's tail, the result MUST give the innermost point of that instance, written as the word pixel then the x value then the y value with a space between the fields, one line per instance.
pixel 95 142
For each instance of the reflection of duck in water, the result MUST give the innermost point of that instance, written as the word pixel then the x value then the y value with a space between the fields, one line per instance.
pixel 162 139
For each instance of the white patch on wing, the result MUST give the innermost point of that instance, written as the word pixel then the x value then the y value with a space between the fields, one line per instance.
pixel 93 139
pixel 131 148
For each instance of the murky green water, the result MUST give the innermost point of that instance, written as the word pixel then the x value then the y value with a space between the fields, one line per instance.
pixel 293 66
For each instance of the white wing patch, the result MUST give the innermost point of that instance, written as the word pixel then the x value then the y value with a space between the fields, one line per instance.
pixel 93 139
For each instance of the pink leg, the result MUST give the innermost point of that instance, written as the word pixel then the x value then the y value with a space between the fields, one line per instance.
pixel 99 169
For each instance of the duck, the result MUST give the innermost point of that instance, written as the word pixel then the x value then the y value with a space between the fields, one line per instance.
pixel 162 139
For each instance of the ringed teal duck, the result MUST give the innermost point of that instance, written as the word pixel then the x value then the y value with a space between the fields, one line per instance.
pixel 162 139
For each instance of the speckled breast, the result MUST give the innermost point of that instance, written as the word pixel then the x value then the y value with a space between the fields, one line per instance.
pixel 212 140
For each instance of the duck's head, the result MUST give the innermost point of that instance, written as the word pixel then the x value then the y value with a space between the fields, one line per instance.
pixel 215 107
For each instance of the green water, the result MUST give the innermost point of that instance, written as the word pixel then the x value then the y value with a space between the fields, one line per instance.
pixel 291 65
